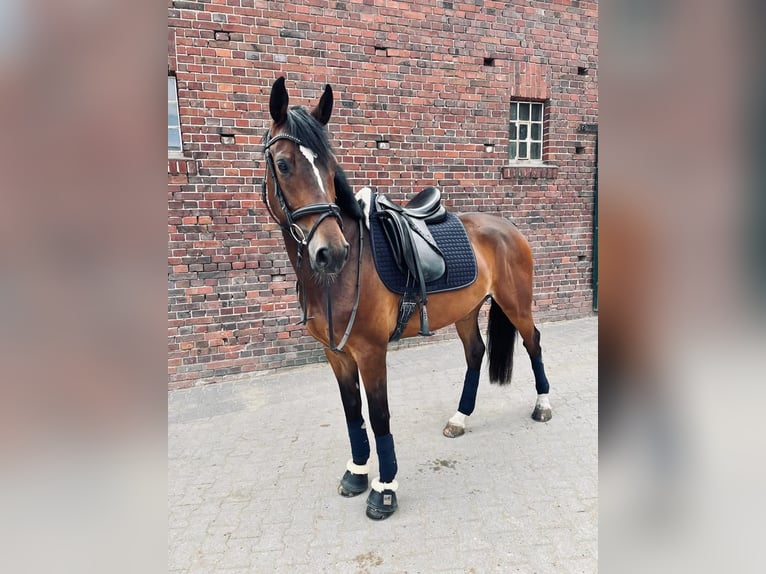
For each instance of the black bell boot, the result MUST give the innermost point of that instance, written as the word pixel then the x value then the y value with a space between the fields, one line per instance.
pixel 354 481
pixel 381 502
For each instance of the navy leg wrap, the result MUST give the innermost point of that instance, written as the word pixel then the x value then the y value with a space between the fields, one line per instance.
pixel 541 381
pixel 470 386
pixel 360 444
pixel 386 457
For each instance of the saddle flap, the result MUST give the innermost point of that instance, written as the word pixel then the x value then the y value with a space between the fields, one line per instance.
pixel 430 257
pixel 415 250
pixel 396 236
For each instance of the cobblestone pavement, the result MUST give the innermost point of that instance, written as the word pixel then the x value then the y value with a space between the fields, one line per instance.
pixel 253 466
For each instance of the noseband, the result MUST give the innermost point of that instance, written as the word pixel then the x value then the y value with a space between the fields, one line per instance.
pixel 324 210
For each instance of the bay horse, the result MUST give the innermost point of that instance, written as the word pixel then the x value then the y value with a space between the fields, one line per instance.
pixel 348 309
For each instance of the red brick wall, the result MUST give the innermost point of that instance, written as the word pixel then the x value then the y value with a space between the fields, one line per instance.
pixel 412 73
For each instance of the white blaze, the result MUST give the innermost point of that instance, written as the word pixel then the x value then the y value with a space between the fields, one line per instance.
pixel 311 156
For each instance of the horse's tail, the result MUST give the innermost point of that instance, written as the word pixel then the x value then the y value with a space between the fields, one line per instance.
pixel 501 337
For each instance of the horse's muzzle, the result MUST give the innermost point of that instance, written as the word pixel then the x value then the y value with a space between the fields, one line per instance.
pixel 329 259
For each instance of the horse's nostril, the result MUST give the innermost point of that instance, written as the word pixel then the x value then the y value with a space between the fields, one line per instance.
pixel 345 253
pixel 322 257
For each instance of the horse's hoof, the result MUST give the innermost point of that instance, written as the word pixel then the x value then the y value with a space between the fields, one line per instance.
pixel 381 505
pixel 453 431
pixel 352 484
pixel 541 414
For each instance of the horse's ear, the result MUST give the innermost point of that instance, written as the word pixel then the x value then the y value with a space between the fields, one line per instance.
pixel 323 111
pixel 279 101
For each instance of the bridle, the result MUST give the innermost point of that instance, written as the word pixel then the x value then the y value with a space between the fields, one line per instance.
pixel 324 210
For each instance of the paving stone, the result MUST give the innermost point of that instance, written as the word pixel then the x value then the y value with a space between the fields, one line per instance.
pixel 253 465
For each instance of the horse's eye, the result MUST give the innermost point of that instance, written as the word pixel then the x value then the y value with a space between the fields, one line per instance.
pixel 283 166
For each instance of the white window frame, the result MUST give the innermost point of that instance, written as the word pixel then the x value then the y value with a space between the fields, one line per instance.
pixel 521 143
pixel 174 127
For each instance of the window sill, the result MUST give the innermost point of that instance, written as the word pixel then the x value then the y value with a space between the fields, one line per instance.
pixel 529 171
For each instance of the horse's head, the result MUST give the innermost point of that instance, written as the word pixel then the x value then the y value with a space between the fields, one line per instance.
pixel 300 180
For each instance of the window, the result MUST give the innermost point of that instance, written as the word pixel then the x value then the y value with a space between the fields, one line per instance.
pixel 174 124
pixel 526 132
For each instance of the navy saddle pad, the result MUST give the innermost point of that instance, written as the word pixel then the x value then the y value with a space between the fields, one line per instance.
pixel 451 238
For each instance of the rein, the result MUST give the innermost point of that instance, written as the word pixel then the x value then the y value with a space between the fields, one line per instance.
pixel 352 317
pixel 324 210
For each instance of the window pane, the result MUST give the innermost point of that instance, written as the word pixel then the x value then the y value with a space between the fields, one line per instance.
pixel 171 89
pixel 174 139
pixel 525 131
pixel 174 125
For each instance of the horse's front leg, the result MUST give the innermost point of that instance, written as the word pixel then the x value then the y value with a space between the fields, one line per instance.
pixel 355 479
pixel 381 502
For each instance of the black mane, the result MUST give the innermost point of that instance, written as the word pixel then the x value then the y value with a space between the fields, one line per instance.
pixel 302 125
pixel 344 196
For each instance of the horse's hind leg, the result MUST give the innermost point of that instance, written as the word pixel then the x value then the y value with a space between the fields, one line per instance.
pixel 355 479
pixel 518 310
pixel 531 337
pixel 542 412
pixel 473 345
